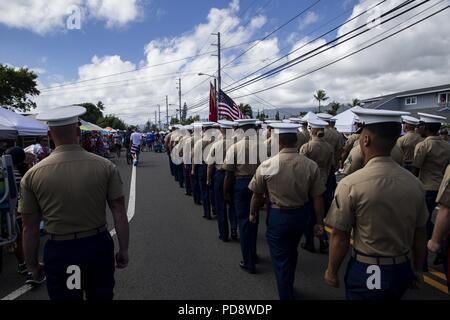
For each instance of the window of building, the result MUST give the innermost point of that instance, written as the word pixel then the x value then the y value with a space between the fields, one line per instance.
pixel 444 97
pixel 410 101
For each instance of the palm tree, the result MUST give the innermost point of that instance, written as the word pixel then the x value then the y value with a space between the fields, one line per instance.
pixel 320 95
pixel 334 107
pixel 356 102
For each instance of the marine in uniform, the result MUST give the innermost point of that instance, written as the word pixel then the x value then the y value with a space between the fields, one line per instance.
pixel 226 215
pixel 184 141
pixel 168 150
pixel 388 238
pixel 407 143
pixel 336 140
pixel 355 159
pixel 303 135
pixel 200 168
pixel 239 172
pixel 440 241
pixel 431 157
pixel 319 151
pixel 69 190
pixel 278 178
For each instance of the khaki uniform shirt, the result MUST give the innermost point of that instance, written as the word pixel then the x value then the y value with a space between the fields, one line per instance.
pixel 335 139
pixel 201 150
pixel 321 153
pixel 355 159
pixel 242 158
pixel 70 189
pixel 408 143
pixel 444 190
pixel 431 156
pixel 218 152
pixel 350 143
pixel 295 179
pixel 383 204
pixel 302 139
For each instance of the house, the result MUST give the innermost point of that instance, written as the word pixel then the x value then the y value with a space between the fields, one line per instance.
pixel 433 100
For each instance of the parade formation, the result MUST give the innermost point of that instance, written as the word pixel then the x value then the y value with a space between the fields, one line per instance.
pixel 254 188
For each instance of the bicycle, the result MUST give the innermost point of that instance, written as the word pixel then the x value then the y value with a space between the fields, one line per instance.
pixel 129 157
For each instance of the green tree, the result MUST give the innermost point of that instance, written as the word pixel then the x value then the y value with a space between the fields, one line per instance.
pixel 93 112
pixel 262 116
pixel 174 120
pixel 112 121
pixel 184 113
pixel 192 119
pixel 333 108
pixel 246 109
pixel 320 96
pixel 147 126
pixel 356 102
pixel 16 87
pixel 277 115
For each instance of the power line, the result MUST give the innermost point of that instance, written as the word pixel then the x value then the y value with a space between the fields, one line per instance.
pixel 308 55
pixel 313 40
pixel 275 31
pixel 348 55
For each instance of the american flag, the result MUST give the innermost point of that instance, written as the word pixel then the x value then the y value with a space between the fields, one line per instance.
pixel 228 108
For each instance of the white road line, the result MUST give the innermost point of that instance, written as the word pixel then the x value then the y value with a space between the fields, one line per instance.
pixel 130 213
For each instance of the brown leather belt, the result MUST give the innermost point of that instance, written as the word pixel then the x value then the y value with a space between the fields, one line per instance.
pixel 382 261
pixel 77 235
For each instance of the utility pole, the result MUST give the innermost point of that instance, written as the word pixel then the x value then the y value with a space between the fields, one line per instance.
pixel 218 87
pixel 179 95
pixel 167 111
pixel 159 117
pixel 155 118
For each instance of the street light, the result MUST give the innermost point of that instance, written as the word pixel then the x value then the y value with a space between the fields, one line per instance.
pixel 205 74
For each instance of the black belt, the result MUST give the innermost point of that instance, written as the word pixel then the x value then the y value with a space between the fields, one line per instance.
pixel 78 235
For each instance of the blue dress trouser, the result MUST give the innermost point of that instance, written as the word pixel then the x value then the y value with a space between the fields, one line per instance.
pixel 430 199
pixel 93 255
pixel 187 178
pixel 394 281
pixel 224 210
pixel 171 165
pixel 248 231
pixel 180 174
pixel 284 230
pixel 204 190
pixel 196 187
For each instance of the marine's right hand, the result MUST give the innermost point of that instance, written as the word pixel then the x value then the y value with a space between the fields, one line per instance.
pixel 121 259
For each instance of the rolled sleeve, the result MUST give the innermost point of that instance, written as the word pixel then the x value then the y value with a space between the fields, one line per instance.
pixel 115 185
pixel 317 185
pixel 419 155
pixel 230 160
pixel 258 184
pixel 28 203
pixel 443 196
pixel 341 214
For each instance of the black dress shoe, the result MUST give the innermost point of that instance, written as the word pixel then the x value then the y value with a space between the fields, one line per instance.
pixel 245 268
pixel 224 239
pixel 309 248
pixel 234 235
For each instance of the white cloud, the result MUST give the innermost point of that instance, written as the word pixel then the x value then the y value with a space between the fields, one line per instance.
pixel 310 18
pixel 44 16
pixel 413 59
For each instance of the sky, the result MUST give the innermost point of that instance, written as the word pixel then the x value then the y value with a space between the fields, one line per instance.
pixel 149 43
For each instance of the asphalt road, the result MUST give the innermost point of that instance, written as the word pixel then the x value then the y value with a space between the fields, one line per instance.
pixel 176 254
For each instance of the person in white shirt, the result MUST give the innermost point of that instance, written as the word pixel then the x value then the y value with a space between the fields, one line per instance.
pixel 136 140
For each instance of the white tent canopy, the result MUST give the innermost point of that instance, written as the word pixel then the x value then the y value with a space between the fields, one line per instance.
pixel 310 115
pixel 345 121
pixel 25 126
